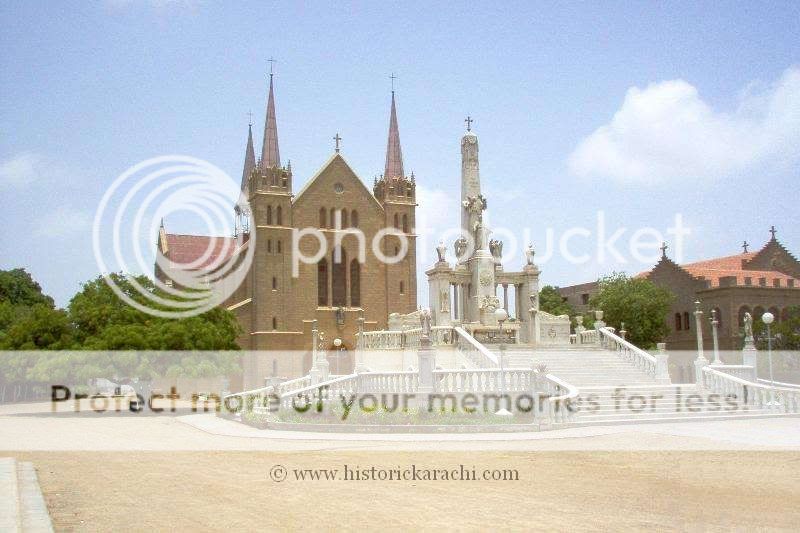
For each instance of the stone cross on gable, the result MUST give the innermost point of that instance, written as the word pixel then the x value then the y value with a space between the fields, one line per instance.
pixel 664 249
pixel 744 246
pixel 336 138
pixel 250 114
pixel 773 231
pixel 469 122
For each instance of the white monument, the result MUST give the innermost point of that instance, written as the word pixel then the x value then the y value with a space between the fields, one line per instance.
pixel 468 292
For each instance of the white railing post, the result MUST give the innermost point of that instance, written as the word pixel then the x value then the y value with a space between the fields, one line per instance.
pixel 662 363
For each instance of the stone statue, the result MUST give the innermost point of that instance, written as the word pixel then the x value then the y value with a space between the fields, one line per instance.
pixel 460 247
pixel 481 234
pixel 529 253
pixel 496 247
pixel 444 302
pixel 441 250
pixel 425 322
pixel 748 326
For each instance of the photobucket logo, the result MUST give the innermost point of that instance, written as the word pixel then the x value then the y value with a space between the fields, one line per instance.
pixel 199 273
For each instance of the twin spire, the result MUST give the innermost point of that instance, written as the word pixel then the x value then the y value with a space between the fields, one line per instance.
pixel 394 154
pixel 270 153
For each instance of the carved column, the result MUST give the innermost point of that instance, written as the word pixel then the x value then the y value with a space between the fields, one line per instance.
pixel 505 297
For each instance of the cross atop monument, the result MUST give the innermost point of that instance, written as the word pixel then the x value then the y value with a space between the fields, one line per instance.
pixel 271 62
pixel 250 114
pixel 469 122
pixel 773 231
pixel 744 246
pixel 336 138
pixel 663 249
pixel 392 77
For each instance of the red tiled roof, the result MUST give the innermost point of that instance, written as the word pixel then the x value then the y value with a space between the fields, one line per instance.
pixel 183 250
pixel 733 265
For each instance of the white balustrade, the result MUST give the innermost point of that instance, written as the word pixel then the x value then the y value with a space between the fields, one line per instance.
pixel 779 399
pixel 627 351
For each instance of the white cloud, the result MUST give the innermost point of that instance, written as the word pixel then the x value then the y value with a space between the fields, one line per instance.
pixel 63 221
pixel 666 131
pixel 20 170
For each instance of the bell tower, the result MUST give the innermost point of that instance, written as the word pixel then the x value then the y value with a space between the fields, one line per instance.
pixel 398 196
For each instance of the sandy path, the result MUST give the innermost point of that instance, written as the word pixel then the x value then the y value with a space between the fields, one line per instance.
pixel 213 491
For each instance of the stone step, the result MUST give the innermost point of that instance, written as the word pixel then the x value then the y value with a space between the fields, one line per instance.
pixel 35 517
pixel 10 510
pixel 664 417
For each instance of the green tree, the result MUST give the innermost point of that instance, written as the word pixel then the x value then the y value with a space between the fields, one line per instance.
pixel 551 301
pixel 17 287
pixel 639 303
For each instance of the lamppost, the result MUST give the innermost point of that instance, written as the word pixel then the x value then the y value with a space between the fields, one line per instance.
pixel 768 318
pixel 502 315
pixel 338 343
pixel 715 336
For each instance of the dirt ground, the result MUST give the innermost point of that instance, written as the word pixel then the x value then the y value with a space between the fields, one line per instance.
pixel 215 491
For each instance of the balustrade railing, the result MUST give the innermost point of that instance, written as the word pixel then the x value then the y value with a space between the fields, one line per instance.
pixel 474 350
pixel 778 399
pixel 629 352
pixel 588 336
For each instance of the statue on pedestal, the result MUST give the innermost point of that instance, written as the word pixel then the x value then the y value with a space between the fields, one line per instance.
pixel 441 250
pixel 529 253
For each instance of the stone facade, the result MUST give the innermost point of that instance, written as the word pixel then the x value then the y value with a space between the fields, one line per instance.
pixel 274 306
pixel 754 282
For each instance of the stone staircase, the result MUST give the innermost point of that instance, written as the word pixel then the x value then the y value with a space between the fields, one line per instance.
pixel 613 391
pixel 658 403
pixel 22 506
pixel 581 366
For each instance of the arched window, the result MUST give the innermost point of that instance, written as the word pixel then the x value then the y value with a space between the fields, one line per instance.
pixel 678 326
pixel 396 221
pixel 686 324
pixel 274 283
pixel 355 283
pixel 339 282
pixel 322 283
pixel 405 223
pixel 757 313
pixel 402 288
pixel 269 215
pixel 742 310
pixel 344 218
pixel 279 216
pixel 274 323
pixel 333 219
pixel 323 217
pixel 354 218
pixel 269 246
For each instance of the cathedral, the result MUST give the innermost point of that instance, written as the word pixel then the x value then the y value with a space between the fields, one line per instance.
pixel 281 298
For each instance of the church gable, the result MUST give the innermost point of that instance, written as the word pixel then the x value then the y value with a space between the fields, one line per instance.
pixel 336 183
pixel 774 256
pixel 668 272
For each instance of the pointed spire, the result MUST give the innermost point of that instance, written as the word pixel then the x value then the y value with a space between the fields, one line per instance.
pixel 270 155
pixel 394 155
pixel 249 159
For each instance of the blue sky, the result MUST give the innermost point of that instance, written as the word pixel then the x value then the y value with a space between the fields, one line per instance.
pixel 642 110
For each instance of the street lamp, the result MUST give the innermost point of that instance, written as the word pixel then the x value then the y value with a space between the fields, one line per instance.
pixel 769 318
pixel 502 315
pixel 338 343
